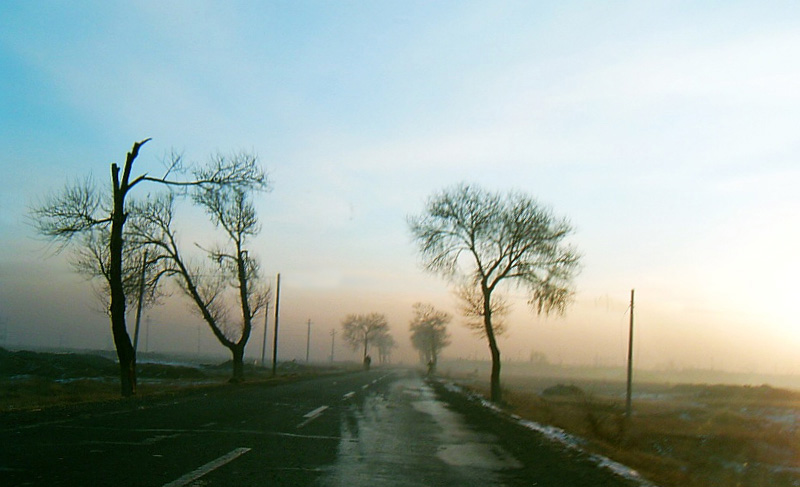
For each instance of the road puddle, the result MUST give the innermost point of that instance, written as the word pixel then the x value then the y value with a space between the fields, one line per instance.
pixel 404 436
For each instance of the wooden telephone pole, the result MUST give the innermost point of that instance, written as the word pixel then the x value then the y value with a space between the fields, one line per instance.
pixel 142 278
pixel 275 331
pixel 333 342
pixel 308 341
pixel 628 410
pixel 264 343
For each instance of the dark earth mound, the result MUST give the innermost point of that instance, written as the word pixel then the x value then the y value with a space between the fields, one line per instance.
pixel 563 390
pixel 61 366
pixel 55 365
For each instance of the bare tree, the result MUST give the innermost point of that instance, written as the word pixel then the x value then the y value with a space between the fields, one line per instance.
pixel 141 272
pixel 385 343
pixel 429 333
pixel 362 330
pixel 232 210
pixel 480 240
pixel 81 209
pixel 91 258
pixel 233 268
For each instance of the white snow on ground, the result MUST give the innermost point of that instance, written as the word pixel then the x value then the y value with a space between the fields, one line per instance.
pixel 559 436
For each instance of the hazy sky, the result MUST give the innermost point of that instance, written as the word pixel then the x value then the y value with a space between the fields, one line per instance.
pixel 667 132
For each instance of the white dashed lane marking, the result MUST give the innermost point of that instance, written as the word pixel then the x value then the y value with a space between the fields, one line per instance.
pixel 312 415
pixel 208 467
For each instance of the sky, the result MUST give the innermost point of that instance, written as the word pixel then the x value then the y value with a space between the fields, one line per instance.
pixel 665 131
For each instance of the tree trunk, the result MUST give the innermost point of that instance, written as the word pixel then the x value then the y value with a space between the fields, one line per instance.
pixel 494 382
pixel 238 350
pixel 496 394
pixel 122 342
pixel 127 362
pixel 238 364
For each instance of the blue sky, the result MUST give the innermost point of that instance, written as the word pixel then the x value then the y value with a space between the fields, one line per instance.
pixel 665 131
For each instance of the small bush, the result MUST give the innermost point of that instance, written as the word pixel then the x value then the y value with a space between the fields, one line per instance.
pixel 563 390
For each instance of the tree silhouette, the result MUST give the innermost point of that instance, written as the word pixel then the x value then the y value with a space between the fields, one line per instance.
pixel 232 268
pixel 362 330
pixel 81 209
pixel 385 343
pixel 480 240
pixel 429 332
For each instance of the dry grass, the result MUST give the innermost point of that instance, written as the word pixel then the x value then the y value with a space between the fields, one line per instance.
pixel 39 393
pixel 688 436
pixel 33 393
pixel 37 380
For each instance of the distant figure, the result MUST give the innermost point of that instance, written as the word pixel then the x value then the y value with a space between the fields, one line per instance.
pixel 431 367
pixel 367 362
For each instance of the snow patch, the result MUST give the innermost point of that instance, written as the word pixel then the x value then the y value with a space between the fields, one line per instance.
pixel 559 436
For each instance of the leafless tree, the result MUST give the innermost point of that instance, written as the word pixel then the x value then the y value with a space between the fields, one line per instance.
pixel 232 268
pixel 91 258
pixel 470 304
pixel 429 333
pixel 361 330
pixel 141 272
pixel 81 209
pixel 480 240
pixel 385 343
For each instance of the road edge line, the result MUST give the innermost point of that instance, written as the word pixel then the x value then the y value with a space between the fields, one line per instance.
pixel 208 467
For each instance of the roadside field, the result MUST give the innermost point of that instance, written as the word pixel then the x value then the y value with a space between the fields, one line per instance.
pixel 35 380
pixel 679 435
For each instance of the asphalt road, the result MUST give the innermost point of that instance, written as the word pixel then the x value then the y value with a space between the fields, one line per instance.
pixel 377 428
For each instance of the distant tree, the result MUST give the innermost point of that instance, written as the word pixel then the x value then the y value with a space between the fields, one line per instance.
pixel 360 330
pixel 479 240
pixel 429 333
pixel 385 343
pixel 233 268
pixel 539 358
pixel 82 210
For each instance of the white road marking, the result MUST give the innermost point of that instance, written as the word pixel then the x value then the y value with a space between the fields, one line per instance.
pixel 147 441
pixel 312 415
pixel 208 467
pixel 315 412
pixel 349 395
pixel 221 432
pixel 364 387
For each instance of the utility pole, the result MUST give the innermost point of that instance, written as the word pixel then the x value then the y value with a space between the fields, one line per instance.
pixel 139 304
pixel 264 343
pixel 333 340
pixel 628 410
pixel 147 334
pixel 3 331
pixel 308 341
pixel 275 332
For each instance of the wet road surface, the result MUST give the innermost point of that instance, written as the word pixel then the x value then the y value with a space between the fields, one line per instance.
pixel 377 428
pixel 404 436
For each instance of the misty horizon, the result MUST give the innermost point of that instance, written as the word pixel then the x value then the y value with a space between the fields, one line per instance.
pixel 664 135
